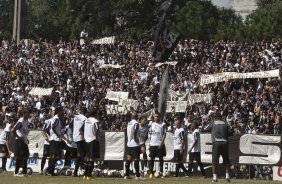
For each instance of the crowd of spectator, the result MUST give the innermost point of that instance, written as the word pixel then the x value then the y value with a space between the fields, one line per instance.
pixel 73 70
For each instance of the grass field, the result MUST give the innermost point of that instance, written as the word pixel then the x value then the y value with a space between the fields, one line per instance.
pixel 8 178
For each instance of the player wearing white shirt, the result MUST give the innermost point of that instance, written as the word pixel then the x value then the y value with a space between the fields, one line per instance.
pixel 20 131
pixel 46 148
pixel 69 145
pixel 55 140
pixel 91 135
pixel 4 140
pixel 179 146
pixel 143 136
pixel 78 136
pixel 157 142
pixel 133 146
pixel 78 122
pixel 194 150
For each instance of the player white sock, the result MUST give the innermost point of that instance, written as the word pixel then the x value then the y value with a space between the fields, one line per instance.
pixel 214 177
pixel 227 175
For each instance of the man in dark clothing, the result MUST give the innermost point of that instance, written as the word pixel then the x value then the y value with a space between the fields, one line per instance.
pixel 220 131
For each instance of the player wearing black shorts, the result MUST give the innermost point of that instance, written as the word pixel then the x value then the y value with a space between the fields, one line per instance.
pixel 91 135
pixel 46 147
pixel 157 143
pixel 20 131
pixel 5 150
pixel 55 140
pixel 133 146
pixel 69 145
pixel 179 147
pixel 194 150
pixel 78 136
pixel 220 146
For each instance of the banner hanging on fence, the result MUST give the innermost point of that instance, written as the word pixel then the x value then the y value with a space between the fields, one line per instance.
pixel 221 77
pixel 243 149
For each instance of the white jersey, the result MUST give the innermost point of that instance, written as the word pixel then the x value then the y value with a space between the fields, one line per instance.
pixel 157 130
pixel 196 139
pixel 132 126
pixel 143 133
pixel 90 129
pixel 46 128
pixel 78 122
pixel 22 129
pixel 4 137
pixel 68 131
pixel 56 123
pixel 178 138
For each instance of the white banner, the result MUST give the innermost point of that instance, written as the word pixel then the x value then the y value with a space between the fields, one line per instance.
pixel 173 63
pixel 277 173
pixel 116 95
pixel 111 66
pixel 114 109
pixel 129 103
pixel 105 40
pixel 269 153
pixel 114 145
pixel 176 106
pixel 196 98
pixel 244 149
pixel 41 91
pixel 180 96
pixel 35 164
pixel 143 75
pixel 221 77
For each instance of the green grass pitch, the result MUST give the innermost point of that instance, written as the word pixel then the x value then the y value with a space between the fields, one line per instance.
pixel 8 178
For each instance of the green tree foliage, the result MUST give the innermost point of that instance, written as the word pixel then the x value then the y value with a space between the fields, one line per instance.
pixel 202 20
pixel 230 26
pixel 136 20
pixel 6 18
pixel 266 22
pixel 197 19
pixel 66 18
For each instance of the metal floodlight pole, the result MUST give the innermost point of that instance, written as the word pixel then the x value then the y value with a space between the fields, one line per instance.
pixel 19 21
pixel 15 19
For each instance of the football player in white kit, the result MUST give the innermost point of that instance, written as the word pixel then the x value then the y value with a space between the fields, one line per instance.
pixel 133 146
pixel 78 137
pixel 91 135
pixel 20 131
pixel 46 135
pixel 179 147
pixel 55 140
pixel 157 143
pixel 5 148
pixel 194 150
pixel 69 145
